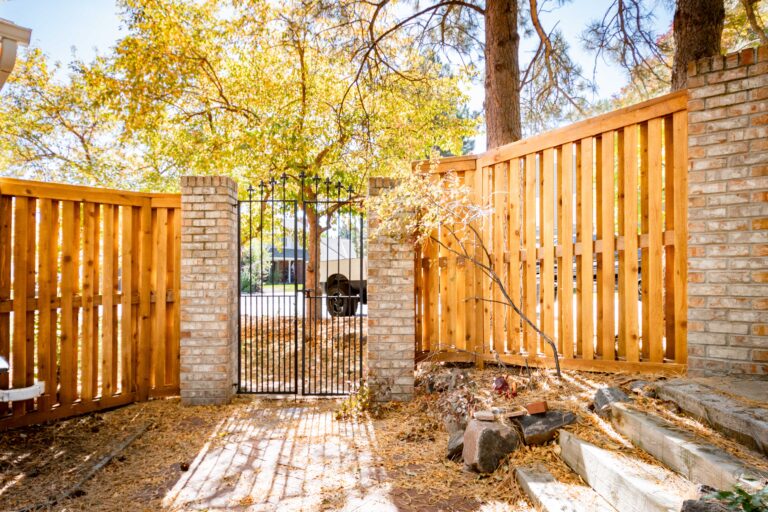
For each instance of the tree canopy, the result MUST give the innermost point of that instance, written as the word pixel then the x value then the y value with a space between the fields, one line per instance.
pixel 251 89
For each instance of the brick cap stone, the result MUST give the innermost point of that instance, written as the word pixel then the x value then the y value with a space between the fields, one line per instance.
pixel 716 62
pixel 208 181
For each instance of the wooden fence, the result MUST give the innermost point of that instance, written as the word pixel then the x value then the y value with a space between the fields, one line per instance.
pixel 612 189
pixel 89 284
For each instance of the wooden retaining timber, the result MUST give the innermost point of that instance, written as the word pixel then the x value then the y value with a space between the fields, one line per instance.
pixel 689 455
pixel 628 485
pixel 89 285
pixel 549 495
pixel 584 220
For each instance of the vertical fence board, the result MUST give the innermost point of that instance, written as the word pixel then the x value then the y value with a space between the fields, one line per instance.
pixel 499 215
pixel 628 333
pixel 46 290
pixel 487 239
pixel 669 250
pixel 160 275
pixel 565 242
pixel 514 333
pixel 645 351
pixel 115 303
pixel 433 283
pixel 529 241
pixel 20 275
pixel 126 291
pixel 477 286
pixel 655 281
pixel 547 227
pixel 90 255
pixel 143 362
pixel 29 375
pixel 6 230
pixel 96 320
pixel 68 329
pixel 136 291
pixel 606 234
pixel 680 225
pixel 584 233
pixel 461 285
pixel 107 293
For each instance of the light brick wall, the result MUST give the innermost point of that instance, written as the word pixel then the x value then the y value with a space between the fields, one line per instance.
pixel 209 238
pixel 728 214
pixel 391 311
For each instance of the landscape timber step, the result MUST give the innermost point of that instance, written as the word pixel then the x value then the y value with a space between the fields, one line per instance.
pixel 549 495
pixel 690 455
pixel 745 424
pixel 628 485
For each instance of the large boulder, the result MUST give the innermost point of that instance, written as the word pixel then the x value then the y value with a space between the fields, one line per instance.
pixel 605 397
pixel 455 445
pixel 541 428
pixel 486 443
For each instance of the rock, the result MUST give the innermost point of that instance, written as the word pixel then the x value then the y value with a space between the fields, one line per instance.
pixel 605 397
pixel 486 444
pixel 445 382
pixel 541 428
pixel 455 409
pixel 537 407
pixel 453 423
pixel 455 445
pixel 643 388
pixel 703 506
pixel 485 416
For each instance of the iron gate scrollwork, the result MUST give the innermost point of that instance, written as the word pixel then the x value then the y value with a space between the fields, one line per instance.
pixel 303 295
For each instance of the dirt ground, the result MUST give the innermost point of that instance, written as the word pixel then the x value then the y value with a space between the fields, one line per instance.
pixel 294 455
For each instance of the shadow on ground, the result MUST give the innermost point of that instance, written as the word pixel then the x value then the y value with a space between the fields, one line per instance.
pixel 290 458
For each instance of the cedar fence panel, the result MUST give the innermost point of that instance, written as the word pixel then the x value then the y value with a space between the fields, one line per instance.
pixel 588 231
pixel 89 288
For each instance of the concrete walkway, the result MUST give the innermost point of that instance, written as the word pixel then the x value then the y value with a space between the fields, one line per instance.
pixel 287 457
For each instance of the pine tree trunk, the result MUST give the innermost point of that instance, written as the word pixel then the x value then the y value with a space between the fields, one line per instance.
pixel 502 73
pixel 698 28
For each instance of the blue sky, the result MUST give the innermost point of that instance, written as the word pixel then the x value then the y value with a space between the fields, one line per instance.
pixel 88 26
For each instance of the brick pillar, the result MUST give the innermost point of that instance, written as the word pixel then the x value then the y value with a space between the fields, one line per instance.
pixel 391 311
pixel 728 215
pixel 209 250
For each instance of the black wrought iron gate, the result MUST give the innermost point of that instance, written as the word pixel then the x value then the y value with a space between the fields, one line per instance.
pixel 302 288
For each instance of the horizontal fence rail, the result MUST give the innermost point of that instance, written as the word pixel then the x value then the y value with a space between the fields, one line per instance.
pixel 89 297
pixel 588 233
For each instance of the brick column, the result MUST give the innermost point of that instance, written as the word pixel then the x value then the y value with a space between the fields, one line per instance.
pixel 209 249
pixel 728 214
pixel 391 311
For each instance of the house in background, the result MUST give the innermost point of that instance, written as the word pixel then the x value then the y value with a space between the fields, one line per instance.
pixel 287 260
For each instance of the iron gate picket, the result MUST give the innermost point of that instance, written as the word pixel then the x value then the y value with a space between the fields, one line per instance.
pixel 295 338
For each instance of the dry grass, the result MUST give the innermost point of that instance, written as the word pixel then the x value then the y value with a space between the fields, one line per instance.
pixel 272 353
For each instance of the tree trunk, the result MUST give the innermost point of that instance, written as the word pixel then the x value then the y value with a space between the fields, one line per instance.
pixel 698 28
pixel 502 73
pixel 312 307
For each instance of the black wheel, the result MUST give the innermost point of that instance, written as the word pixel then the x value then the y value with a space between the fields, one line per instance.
pixel 339 300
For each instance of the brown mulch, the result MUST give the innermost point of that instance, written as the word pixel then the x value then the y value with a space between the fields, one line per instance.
pixel 39 462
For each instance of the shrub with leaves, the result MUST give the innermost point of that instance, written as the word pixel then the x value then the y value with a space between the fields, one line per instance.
pixel 426 207
pixel 357 404
pixel 739 499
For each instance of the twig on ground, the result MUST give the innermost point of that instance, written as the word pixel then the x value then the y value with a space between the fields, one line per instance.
pixel 95 469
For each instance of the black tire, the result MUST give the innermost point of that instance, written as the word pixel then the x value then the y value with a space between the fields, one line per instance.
pixel 339 301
